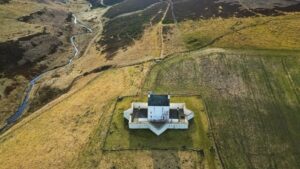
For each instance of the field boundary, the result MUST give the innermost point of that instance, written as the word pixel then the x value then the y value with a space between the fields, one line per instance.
pixel 109 123
pixel 201 151
pixel 210 125
pixel 289 76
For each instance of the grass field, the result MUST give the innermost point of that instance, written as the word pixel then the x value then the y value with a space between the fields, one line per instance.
pixel 174 148
pixel 58 132
pixel 280 32
pixel 247 102
pixel 10 27
pixel 193 138
pixel 252 98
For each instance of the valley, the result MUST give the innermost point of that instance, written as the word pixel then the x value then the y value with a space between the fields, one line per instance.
pixel 77 64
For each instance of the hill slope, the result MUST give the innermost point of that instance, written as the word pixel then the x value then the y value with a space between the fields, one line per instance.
pixel 235 62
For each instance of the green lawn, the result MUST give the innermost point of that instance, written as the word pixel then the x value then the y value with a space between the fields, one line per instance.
pixel 120 137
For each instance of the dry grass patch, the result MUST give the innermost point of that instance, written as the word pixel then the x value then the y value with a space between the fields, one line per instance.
pixel 172 40
pixel 199 33
pixel 271 32
pixel 10 27
pixel 53 136
pixel 280 33
pixel 126 160
pixel 153 160
pixel 146 48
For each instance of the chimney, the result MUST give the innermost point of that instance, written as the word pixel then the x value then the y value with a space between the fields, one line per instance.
pixel 149 94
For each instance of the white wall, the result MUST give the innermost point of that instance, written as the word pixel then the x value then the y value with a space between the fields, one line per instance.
pixel 142 119
pixel 140 105
pixel 127 114
pixel 167 126
pixel 177 105
pixel 156 113
pixel 178 126
pixel 138 125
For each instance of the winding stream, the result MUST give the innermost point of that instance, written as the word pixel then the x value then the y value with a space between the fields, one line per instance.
pixel 13 118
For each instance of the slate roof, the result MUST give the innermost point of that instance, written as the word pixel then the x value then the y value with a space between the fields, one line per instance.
pixel 158 100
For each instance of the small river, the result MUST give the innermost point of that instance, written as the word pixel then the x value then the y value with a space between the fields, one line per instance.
pixel 24 104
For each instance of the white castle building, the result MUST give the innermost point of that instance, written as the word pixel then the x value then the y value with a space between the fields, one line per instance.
pixel 158 114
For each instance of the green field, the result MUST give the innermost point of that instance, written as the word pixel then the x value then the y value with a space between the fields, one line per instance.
pixel 194 138
pixel 112 136
pixel 252 98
